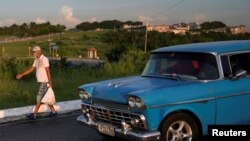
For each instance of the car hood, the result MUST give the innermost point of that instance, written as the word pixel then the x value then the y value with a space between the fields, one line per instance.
pixel 117 90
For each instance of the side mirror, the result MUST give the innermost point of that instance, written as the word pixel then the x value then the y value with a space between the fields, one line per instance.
pixel 238 74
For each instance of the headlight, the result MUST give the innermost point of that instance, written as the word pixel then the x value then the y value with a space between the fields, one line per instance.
pixel 135 102
pixel 131 102
pixel 139 103
pixel 84 95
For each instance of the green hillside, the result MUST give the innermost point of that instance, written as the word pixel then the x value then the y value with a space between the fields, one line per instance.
pixel 70 43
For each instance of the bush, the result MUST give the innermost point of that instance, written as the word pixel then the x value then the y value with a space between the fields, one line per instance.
pixel 65 78
pixel 10 66
pixel 133 62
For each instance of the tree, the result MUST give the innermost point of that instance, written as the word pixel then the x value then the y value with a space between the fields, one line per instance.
pixel 212 25
pixel 32 29
pixel 107 24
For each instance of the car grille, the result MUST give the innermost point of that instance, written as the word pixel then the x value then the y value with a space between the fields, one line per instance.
pixel 114 117
pixel 110 105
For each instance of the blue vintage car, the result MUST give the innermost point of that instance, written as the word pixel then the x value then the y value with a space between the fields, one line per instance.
pixel 182 90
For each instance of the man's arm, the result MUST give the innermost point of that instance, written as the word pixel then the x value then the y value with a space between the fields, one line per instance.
pixel 19 76
pixel 48 75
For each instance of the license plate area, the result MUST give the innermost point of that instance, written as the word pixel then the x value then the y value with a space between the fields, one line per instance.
pixel 106 129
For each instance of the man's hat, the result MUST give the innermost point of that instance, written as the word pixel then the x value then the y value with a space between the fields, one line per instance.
pixel 36 48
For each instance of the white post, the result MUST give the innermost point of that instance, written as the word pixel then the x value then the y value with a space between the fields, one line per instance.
pixel 3 50
pixel 146 39
pixel 29 48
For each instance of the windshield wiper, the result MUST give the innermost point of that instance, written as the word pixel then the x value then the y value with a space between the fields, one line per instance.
pixel 174 76
pixel 178 77
pixel 168 76
pixel 182 76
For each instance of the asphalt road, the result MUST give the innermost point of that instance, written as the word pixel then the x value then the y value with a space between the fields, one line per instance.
pixel 61 128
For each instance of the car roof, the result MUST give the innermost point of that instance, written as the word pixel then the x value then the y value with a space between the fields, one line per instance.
pixel 208 47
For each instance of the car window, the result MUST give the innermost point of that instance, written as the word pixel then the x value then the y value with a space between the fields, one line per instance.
pixel 240 62
pixel 201 66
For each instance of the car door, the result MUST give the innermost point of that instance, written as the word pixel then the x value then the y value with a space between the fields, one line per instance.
pixel 233 93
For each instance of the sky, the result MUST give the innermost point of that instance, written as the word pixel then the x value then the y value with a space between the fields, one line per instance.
pixel 73 12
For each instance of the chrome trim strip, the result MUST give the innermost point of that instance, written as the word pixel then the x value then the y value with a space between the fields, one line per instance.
pixel 205 100
pixel 233 95
pixel 218 58
pixel 131 134
pixel 235 52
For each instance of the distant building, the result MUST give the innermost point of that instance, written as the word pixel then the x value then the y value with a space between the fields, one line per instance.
pixel 92 53
pixel 181 28
pixel 179 31
pixel 98 29
pixel 159 28
pixel 238 29
pixel 193 28
pixel 133 27
pixel 233 30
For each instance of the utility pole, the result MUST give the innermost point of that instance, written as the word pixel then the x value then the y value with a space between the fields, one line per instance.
pixel 114 37
pixel 3 49
pixel 29 49
pixel 61 46
pixel 146 39
pixel 49 44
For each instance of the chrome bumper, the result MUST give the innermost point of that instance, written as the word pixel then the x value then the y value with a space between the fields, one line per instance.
pixel 130 134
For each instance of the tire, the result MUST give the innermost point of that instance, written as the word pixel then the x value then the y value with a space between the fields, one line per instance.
pixel 179 127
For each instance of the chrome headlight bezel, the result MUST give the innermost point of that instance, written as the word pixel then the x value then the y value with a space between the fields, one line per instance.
pixel 139 103
pixel 135 102
pixel 84 95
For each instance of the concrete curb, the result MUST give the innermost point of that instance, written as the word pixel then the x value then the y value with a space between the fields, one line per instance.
pixel 14 114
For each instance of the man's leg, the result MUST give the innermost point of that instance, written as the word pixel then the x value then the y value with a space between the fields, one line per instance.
pixel 52 108
pixel 53 112
pixel 42 90
pixel 34 114
pixel 36 108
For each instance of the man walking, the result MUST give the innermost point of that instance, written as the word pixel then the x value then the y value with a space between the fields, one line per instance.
pixel 41 64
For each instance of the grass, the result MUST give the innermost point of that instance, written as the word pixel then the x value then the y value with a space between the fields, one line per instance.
pixel 66 80
pixel 72 44
pixel 17 93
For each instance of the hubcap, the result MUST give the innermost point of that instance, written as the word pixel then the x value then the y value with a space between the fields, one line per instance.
pixel 179 131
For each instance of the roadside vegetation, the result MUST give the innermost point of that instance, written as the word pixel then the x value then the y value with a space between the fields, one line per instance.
pixel 122 50
pixel 66 78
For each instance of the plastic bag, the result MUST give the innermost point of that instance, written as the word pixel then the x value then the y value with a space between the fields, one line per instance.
pixel 49 97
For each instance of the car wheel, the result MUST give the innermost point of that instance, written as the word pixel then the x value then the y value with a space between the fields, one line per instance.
pixel 179 127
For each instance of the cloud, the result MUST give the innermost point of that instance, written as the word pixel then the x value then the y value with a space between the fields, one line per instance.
pixel 157 20
pixel 7 22
pixel 93 19
pixel 162 19
pixel 199 18
pixel 145 19
pixel 68 16
pixel 40 20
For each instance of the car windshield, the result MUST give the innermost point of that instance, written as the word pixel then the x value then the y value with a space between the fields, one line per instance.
pixel 182 66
